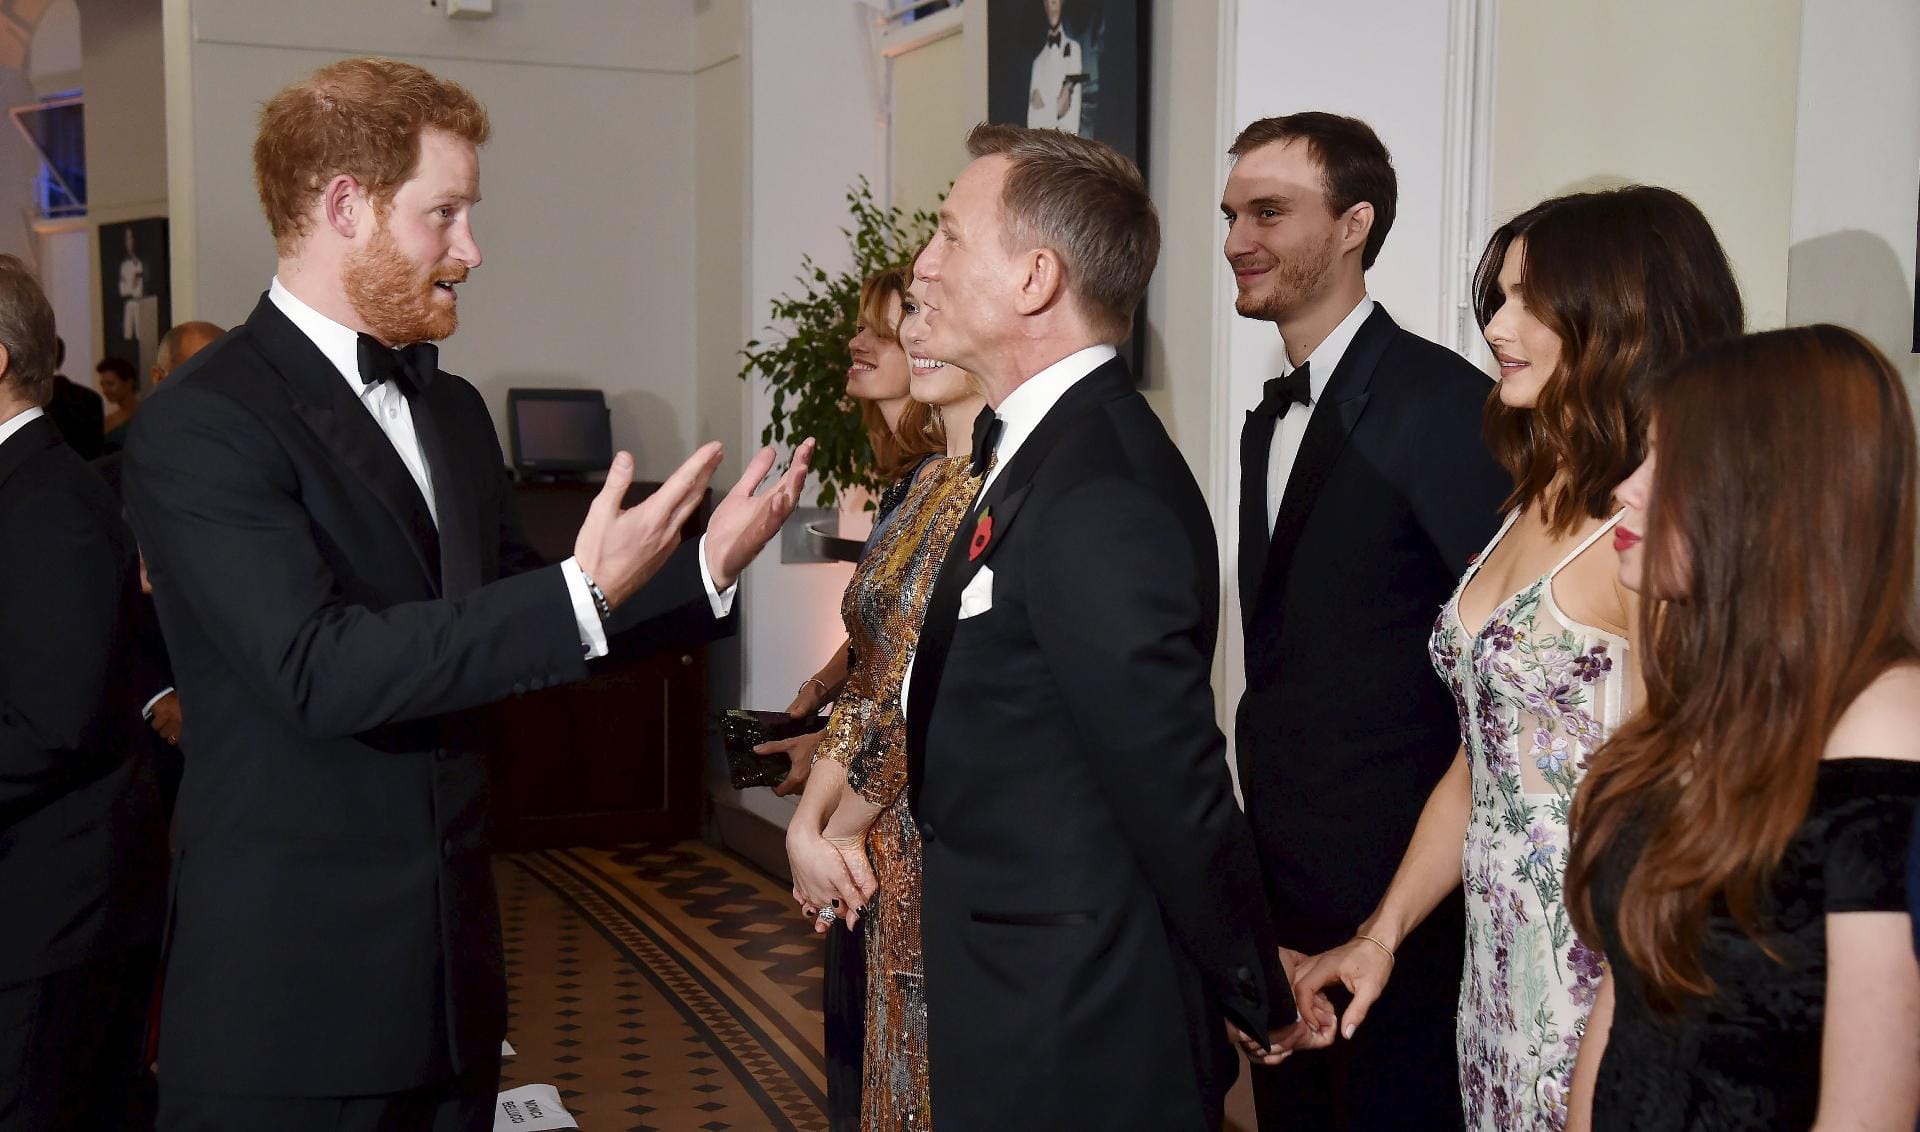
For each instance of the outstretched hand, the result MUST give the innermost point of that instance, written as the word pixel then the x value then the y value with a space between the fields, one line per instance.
pixel 620 549
pixel 744 523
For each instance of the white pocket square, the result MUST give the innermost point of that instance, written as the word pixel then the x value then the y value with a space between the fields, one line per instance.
pixel 977 598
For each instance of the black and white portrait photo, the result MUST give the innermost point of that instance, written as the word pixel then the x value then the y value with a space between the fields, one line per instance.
pixel 1072 65
pixel 135 297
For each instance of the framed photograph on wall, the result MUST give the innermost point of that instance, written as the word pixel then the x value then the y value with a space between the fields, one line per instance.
pixel 1073 65
pixel 136 301
pixel 1079 66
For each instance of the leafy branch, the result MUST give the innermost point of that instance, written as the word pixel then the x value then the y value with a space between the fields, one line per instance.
pixel 806 366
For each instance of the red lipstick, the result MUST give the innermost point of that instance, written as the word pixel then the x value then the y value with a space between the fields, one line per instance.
pixel 1624 539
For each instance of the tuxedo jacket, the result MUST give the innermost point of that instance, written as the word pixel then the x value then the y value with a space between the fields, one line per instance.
pixel 333 928
pixel 82 843
pixel 1345 728
pixel 80 415
pixel 1091 910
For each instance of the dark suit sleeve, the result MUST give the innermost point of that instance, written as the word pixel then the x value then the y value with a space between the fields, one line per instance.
pixel 215 501
pixel 61 579
pixel 1453 483
pixel 1116 610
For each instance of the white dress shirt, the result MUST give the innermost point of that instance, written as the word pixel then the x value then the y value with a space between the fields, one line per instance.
pixel 1292 428
pixel 1020 414
pixel 394 414
pixel 18 421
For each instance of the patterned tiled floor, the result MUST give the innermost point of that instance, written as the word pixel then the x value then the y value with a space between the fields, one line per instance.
pixel 661 987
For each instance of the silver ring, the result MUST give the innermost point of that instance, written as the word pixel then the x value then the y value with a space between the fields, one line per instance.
pixel 827 916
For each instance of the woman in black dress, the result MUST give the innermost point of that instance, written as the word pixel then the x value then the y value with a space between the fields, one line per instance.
pixel 1739 847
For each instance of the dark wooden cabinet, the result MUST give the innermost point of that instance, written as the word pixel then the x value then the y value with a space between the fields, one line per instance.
pixel 617 758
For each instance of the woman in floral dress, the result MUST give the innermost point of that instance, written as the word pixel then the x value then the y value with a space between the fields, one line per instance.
pixel 1584 299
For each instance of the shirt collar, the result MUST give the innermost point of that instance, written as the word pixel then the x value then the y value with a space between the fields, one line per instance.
pixel 17 422
pixel 1025 406
pixel 338 343
pixel 1326 356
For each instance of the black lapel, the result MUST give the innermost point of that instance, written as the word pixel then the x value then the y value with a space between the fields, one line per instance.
pixel 33 438
pixel 433 414
pixel 1256 445
pixel 1010 489
pixel 1326 437
pixel 323 400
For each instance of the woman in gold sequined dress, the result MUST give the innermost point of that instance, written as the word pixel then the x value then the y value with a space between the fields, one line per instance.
pixel 853 839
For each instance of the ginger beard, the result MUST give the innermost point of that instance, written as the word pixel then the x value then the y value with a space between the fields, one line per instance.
pixel 397 299
pixel 1293 280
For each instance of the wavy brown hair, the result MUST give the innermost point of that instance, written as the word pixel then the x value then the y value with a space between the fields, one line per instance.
pixel 1629 279
pixel 920 433
pixel 1781 534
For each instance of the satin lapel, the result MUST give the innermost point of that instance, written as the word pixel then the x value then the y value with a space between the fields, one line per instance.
pixel 433 410
pixel 323 400
pixel 33 438
pixel 1256 444
pixel 1009 491
pixel 1326 438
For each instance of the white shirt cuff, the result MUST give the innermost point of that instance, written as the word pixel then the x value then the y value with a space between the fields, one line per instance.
pixel 146 709
pixel 586 614
pixel 722 603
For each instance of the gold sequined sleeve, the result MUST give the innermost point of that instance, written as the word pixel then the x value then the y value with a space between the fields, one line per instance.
pixel 837 744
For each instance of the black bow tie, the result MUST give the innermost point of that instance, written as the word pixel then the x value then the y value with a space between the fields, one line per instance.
pixel 1053 39
pixel 410 367
pixel 986 437
pixel 1282 393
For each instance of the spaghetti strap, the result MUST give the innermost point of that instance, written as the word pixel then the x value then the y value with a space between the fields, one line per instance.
pixel 1587 543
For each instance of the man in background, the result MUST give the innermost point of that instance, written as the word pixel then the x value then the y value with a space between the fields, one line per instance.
pixel 1364 488
pixel 77 413
pixel 82 844
pixel 180 343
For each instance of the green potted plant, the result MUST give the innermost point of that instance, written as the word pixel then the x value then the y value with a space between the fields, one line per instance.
pixel 806 367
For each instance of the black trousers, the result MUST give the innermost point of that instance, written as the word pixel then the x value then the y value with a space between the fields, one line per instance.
pixel 71 1046
pixel 845 995
pixel 462 1104
pixel 1400 1073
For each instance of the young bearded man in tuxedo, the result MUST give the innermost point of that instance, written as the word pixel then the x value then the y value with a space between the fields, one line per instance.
pixel 1092 914
pixel 1364 489
pixel 82 840
pixel 340 575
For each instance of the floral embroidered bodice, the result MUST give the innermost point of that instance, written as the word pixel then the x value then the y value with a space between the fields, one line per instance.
pixel 1538 693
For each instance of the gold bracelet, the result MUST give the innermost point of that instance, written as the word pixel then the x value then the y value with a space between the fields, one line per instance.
pixel 1377 944
pixel 815 680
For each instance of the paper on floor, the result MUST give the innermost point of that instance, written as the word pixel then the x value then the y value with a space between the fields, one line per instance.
pixel 531 1108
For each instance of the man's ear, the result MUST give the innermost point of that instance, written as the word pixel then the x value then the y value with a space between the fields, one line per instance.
pixel 1356 226
pixel 346 205
pixel 1045 282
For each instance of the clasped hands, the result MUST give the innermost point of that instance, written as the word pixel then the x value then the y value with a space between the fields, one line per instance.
pixel 1362 966
pixel 621 548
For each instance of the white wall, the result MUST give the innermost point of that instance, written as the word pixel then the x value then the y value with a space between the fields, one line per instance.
pixel 591 272
pixel 1396 79
pixel 1697 96
pixel 1857 173
pixel 811 112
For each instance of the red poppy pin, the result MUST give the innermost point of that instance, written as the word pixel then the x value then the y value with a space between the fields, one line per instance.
pixel 982 534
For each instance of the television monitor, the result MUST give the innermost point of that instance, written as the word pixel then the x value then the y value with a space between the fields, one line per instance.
pixel 559 430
